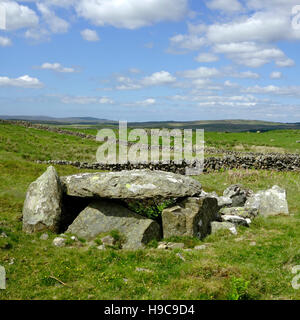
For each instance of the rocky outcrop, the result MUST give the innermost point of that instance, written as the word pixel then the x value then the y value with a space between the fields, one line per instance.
pixel 105 215
pixel 191 217
pixel 135 184
pixel 269 202
pixel 42 206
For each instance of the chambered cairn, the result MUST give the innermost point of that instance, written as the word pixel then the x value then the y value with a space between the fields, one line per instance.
pixel 87 205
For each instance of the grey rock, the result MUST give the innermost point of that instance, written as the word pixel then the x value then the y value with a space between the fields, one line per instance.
pixel 59 242
pixel 133 184
pixel 201 247
pixel 191 217
pixel 101 247
pixel 42 206
pixel 224 202
pixel 162 245
pixel 180 256
pixel 243 212
pixel 2 278
pixel 105 215
pixel 216 226
pixel 175 245
pixel 236 220
pixel 238 194
pixel 108 240
pixel 269 202
pixel 44 236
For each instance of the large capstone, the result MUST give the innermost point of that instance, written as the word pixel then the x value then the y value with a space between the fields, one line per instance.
pixel 105 215
pixel 191 217
pixel 42 206
pixel 269 202
pixel 134 184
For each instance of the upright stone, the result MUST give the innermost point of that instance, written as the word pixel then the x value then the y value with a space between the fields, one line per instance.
pixel 191 217
pixel 105 215
pixel 131 184
pixel 269 202
pixel 42 206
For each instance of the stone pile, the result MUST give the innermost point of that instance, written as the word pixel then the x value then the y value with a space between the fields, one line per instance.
pixel 90 205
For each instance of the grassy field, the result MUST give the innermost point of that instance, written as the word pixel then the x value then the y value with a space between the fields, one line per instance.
pixel 255 264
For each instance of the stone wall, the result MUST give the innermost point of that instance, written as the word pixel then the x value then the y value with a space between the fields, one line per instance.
pixel 277 162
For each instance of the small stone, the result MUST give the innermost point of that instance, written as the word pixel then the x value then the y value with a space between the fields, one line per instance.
pixel 59 242
pixel 143 270
pixel 202 247
pixel 188 249
pixel 44 236
pixel 101 247
pixel 12 261
pixel 172 245
pixel 236 220
pixel 180 256
pixel 253 243
pixel 3 235
pixel 216 226
pixel 162 245
pixel 108 240
pixel 74 238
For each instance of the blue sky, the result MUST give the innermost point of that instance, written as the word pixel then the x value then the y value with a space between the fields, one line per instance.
pixel 151 60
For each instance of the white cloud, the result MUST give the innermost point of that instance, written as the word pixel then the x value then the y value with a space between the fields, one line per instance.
pixel 207 57
pixel 189 41
pixel 131 14
pixel 86 100
pixel 19 16
pixel 158 78
pixel 284 91
pixel 146 102
pixel 251 54
pixel 276 75
pixel 56 24
pixel 5 42
pixel 202 72
pixel 89 35
pixel 22 82
pixel 57 67
pixel 285 63
pixel 224 5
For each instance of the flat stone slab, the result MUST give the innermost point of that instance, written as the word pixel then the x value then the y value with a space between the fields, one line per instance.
pixel 106 215
pixel 131 184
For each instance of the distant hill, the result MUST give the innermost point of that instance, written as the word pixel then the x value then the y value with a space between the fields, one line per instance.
pixel 208 125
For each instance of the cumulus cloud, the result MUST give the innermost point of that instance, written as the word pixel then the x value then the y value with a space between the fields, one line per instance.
pixel 276 75
pixel 5 42
pixel 224 5
pixel 90 35
pixel 19 16
pixel 57 67
pixel 146 102
pixel 131 14
pixel 284 91
pixel 207 57
pixel 159 78
pixel 21 82
pixel 189 41
pixel 56 24
pixel 202 72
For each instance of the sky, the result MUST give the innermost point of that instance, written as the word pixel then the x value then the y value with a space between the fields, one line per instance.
pixel 151 60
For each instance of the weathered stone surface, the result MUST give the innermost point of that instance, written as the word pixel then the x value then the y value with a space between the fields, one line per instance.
pixel 269 202
pixel 216 226
pixel 243 212
pixel 108 240
pixel 191 217
pixel 106 215
pixel 42 206
pixel 175 245
pixel 236 220
pixel 134 184
pixel 238 194
pixel 59 242
pixel 44 236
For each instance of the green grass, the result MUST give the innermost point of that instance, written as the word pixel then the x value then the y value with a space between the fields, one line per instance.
pixel 229 267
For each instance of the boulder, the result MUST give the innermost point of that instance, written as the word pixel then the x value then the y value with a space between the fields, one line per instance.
pixel 217 226
pixel 236 220
pixel 191 217
pixel 134 184
pixel 269 202
pixel 243 212
pixel 238 194
pixel 42 206
pixel 105 215
pixel 222 201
